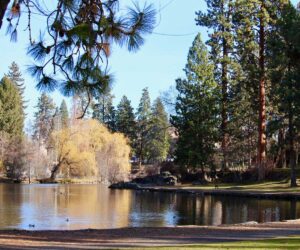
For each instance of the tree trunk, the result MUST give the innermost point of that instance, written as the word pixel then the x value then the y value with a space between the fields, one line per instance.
pixel 54 171
pixel 224 108
pixel 281 159
pixel 292 148
pixel 261 158
pixel 141 155
pixel 3 8
pixel 224 83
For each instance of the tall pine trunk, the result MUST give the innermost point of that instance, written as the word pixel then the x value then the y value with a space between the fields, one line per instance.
pixel 292 149
pixel 261 157
pixel 281 159
pixel 224 106
pixel 224 83
pixel 292 154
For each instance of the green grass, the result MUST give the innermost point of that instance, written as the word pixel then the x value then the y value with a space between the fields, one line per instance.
pixel 277 243
pixel 268 186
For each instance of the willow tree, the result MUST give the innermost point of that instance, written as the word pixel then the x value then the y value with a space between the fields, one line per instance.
pixel 88 149
pixel 72 55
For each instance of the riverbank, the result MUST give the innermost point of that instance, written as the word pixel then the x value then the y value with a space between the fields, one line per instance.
pixel 265 190
pixel 4 179
pixel 204 236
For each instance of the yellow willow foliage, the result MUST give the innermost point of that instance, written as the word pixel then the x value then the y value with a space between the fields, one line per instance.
pixel 89 149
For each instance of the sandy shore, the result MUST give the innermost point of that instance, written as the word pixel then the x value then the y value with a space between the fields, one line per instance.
pixel 141 237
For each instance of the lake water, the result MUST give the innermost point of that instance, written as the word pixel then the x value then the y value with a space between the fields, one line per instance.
pixel 96 206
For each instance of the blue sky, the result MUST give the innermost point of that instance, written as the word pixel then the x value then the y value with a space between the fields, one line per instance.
pixel 156 65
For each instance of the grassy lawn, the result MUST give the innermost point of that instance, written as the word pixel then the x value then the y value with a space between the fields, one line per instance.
pixel 278 243
pixel 275 186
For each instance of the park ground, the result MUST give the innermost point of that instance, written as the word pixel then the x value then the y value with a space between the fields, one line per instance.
pixel 276 235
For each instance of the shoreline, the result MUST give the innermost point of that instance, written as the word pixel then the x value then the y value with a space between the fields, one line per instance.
pixel 233 190
pixel 222 192
pixel 145 236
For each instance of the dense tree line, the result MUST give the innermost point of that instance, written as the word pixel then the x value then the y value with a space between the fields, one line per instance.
pixel 240 98
pixel 147 129
pixel 56 145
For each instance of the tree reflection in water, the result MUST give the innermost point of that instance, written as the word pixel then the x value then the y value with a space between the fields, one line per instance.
pixel 96 206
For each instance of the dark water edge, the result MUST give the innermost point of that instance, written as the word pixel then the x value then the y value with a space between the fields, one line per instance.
pixel 75 206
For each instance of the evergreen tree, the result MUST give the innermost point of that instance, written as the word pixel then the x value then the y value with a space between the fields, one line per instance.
pixel 196 119
pixel 284 49
pixel 158 133
pixel 15 75
pixel 143 116
pixel 43 124
pixel 253 21
pixel 218 20
pixel 111 117
pixel 104 111
pixel 64 114
pixel 11 109
pixel 125 120
pixel 242 126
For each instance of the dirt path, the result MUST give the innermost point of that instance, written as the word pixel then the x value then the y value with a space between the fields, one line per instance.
pixel 140 237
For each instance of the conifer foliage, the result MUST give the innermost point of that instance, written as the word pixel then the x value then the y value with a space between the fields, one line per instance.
pixel 64 114
pixel 15 75
pixel 72 56
pixel 11 109
pixel 196 119
pixel 43 123
pixel 125 120
pixel 159 133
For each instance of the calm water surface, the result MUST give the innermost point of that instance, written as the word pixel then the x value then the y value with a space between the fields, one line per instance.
pixel 96 206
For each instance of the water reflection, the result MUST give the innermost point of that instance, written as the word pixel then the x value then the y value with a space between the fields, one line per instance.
pixel 95 206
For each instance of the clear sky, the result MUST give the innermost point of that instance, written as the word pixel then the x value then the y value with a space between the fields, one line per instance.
pixel 156 65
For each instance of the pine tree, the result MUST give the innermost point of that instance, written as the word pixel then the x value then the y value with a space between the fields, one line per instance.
pixel 15 75
pixel 196 119
pixel 285 74
pixel 43 124
pixel 125 120
pixel 253 21
pixel 158 133
pixel 104 111
pixel 218 20
pixel 242 126
pixel 143 116
pixel 64 114
pixel 111 117
pixel 11 110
